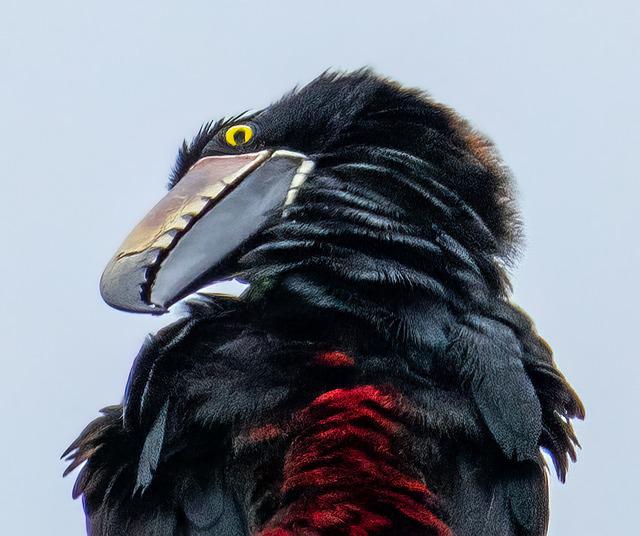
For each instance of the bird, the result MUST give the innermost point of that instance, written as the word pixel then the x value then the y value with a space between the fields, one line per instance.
pixel 375 376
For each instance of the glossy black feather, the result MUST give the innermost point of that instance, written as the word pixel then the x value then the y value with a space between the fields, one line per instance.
pixel 394 252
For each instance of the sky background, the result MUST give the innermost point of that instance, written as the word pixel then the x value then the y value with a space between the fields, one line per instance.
pixel 96 96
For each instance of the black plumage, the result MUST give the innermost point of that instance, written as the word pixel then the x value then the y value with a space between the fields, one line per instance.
pixel 392 254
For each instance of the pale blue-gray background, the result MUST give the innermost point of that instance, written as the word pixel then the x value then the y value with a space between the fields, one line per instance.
pixel 95 96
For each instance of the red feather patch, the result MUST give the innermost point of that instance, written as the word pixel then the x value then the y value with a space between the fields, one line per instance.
pixel 345 474
pixel 334 359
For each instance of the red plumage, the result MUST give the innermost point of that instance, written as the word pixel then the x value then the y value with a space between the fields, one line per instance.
pixel 346 472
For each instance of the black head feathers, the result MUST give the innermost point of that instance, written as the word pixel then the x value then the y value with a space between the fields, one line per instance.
pixel 361 117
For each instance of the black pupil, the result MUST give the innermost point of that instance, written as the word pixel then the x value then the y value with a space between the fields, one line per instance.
pixel 239 137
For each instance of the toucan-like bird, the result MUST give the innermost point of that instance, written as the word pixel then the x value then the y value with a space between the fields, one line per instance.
pixel 374 379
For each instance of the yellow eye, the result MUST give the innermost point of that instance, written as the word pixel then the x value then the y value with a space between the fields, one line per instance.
pixel 238 135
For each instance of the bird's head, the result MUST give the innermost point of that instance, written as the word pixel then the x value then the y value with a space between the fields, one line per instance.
pixel 351 180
